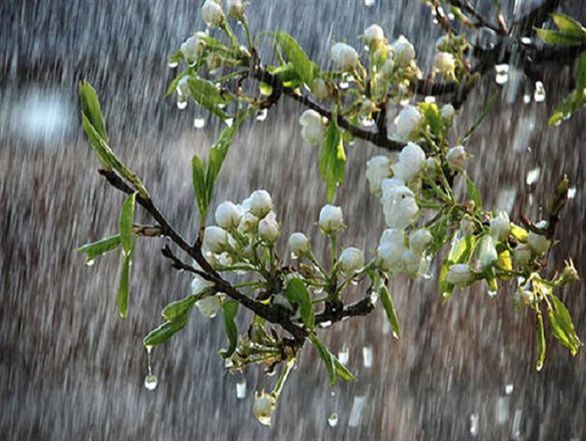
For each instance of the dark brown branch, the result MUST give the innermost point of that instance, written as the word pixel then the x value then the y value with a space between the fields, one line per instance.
pixel 359 308
pixel 481 22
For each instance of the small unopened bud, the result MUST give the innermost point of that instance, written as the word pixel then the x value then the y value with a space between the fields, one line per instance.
pixel 403 50
pixel 448 112
pixel 409 122
pixel 569 274
pixel 460 274
pixel 260 203
pixel 268 230
pixel 419 240
pixel 331 220
pixel 500 226
pixel 373 34
pixel 299 244
pixel 228 215
pixel 457 156
pixel 264 407
pixel 344 56
pixel 212 13
pixel 522 254
pixel 235 8
pixel 444 63
pixel 319 89
pixel 467 226
pixel 209 306
pixel 248 223
pixel 538 243
pixel 526 294
pixel 215 239
pixel 351 260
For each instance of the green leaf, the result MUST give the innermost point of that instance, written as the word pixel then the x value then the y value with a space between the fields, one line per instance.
pixel 581 74
pixel 103 151
pixel 562 326
pixel 297 293
pixel 332 159
pixel 387 302
pixel 342 371
pixel 179 307
pixel 568 25
pixel 207 95
pixel 287 74
pixel 95 249
pixel 561 38
pixel 575 100
pixel 296 56
pixel 165 331
pixel 123 287
pixel 327 357
pixel 91 109
pixel 433 117
pixel 200 188
pixel 127 224
pixel 540 333
pixel 230 308
pixel 473 193
pixel 460 252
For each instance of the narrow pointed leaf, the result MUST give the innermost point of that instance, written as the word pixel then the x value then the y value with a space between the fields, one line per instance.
pixel 327 357
pixel 296 56
pixel 540 334
pixel 123 287
pixel 199 186
pixel 230 308
pixel 390 311
pixel 165 331
pixel 91 109
pixel 562 327
pixel 207 95
pixel 178 308
pixel 568 25
pixel 342 371
pixel 562 38
pixel 102 246
pixel 127 224
pixel 332 159
pixel 297 293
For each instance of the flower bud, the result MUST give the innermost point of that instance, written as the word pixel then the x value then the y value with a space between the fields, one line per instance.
pixel 209 306
pixel 268 230
pixel 215 239
pixel 487 254
pixel 526 294
pixel 391 248
pixel 457 157
pixel 299 244
pixel 344 56
pixel 538 243
pixel 319 89
pixel 403 50
pixel 444 63
pixel 351 260
pixel 199 285
pixel 377 169
pixel 212 13
pixel 373 34
pixel 313 130
pixel 387 68
pixel 522 254
pixel 500 226
pixel 411 263
pixel 399 206
pixel 448 112
pixel 228 215
pixel 235 8
pixel 260 203
pixel 192 47
pixel 460 274
pixel 569 274
pixel 331 220
pixel 419 240
pixel 264 407
pixel 248 223
pixel 409 122
pixel 411 162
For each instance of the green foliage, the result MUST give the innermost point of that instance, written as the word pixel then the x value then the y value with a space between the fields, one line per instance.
pixel 298 294
pixel 91 109
pixel 209 96
pixel 230 309
pixel 576 100
pixel 178 308
pixel 334 367
pixel 540 334
pixel 562 326
pixel 123 286
pixel 165 331
pixel 390 311
pixel 332 159
pixel 569 33
pixel 303 66
pixel 102 246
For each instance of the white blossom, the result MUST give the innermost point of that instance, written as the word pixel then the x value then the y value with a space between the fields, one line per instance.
pixel 419 240
pixel 215 239
pixel 192 47
pixel 228 215
pixel 522 254
pixel 212 13
pixel 444 63
pixel 331 219
pixel 260 203
pixel 399 206
pixel 248 222
pixel 500 226
pixel 319 89
pixel 403 50
pixel 457 156
pixel 377 169
pixel 373 34
pixel 411 162
pixel 235 8
pixel 409 122
pixel 448 112
pixel 411 263
pixel 199 285
pixel 391 248
pixel 486 254
pixel 209 306
pixel 299 244
pixel 268 230
pixel 314 129
pixel 344 56
pixel 538 243
pixel 460 274
pixel 351 260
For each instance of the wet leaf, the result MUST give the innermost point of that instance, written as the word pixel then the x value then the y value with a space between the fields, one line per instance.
pixel 562 326
pixel 568 25
pixel 230 308
pixel 561 38
pixel 91 109
pixel 332 159
pixel 200 188
pixel 179 307
pixel 334 367
pixel 296 56
pixel 297 293
pixel 123 287
pixel 102 246
pixel 206 94
pixel 127 223
pixel 165 331
pixel 390 311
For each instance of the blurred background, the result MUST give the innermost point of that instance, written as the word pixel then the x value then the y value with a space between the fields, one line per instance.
pixel 70 368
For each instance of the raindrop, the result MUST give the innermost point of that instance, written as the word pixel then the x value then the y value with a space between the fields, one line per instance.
pixel 326 324
pixel 333 419
pixel 526 98
pixel 502 410
pixel 517 424
pixel 474 424
pixel 509 389
pixel 228 363
pixel 369 3
pixel 367 356
pixel 199 123
pixel 539 94
pixel 344 85
pixel 367 122
pixel 502 73
pixel 181 104
pixel 491 292
pixel 294 256
pixel 526 40
pixel 173 64
pixel 356 412
pixel 533 176
pixel 151 381
pixel 241 389
pixel 354 282
pixel 429 99
pixel 90 262
pixel 229 121
pixel 501 79
pixel 572 193
pixel 344 355
pixel 262 115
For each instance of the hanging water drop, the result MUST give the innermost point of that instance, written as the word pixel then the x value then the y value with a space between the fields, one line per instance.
pixel 173 64
pixel 241 389
pixel 181 104
pixel 343 85
pixel 151 381
pixel 333 420
pixel 90 262
pixel 262 115
pixel 539 94
pixel 367 355
pixel 474 424
pixel 509 389
pixel 344 355
pixel 572 193
pixel 199 123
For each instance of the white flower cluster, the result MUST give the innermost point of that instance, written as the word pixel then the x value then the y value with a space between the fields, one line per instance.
pixel 313 127
pixel 402 252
